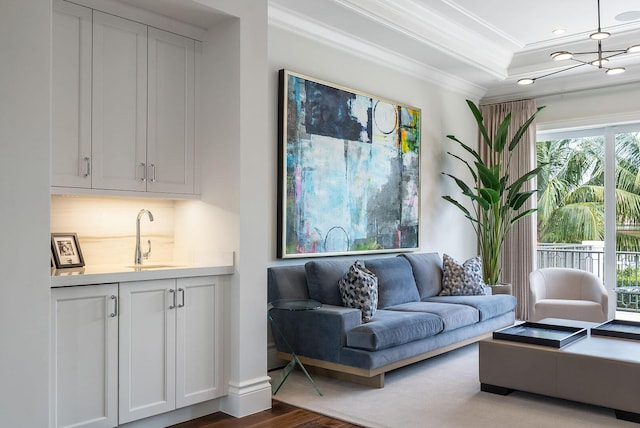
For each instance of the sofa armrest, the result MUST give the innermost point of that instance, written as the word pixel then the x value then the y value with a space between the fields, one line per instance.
pixel 318 333
pixel 593 289
pixel 537 286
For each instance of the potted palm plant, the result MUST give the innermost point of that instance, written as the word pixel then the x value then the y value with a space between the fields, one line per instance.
pixel 496 198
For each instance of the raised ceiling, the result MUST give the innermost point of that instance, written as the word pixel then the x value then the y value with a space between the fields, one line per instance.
pixel 478 47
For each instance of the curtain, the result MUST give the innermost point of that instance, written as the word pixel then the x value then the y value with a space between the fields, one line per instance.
pixel 518 256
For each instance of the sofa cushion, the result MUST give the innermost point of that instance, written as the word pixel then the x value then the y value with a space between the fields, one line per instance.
pixel 488 306
pixel 584 310
pixel 427 272
pixel 461 279
pixel 453 316
pixel 286 282
pixel 391 328
pixel 323 277
pixel 395 281
pixel 359 289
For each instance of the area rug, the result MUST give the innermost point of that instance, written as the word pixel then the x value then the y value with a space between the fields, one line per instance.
pixel 442 391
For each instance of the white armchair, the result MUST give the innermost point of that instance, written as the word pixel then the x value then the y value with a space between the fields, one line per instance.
pixel 567 293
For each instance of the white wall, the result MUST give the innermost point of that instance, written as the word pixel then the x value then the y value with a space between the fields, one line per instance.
pixel 442 227
pixel 25 29
pixel 606 106
pixel 235 177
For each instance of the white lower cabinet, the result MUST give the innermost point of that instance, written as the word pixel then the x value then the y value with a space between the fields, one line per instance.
pixel 170 345
pixel 126 352
pixel 199 332
pixel 84 356
pixel 147 339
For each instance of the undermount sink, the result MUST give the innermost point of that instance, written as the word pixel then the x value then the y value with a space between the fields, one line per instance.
pixel 154 266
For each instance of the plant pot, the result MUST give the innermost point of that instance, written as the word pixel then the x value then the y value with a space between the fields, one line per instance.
pixel 501 289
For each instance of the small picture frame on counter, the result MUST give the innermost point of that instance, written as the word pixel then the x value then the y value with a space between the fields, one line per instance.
pixel 66 250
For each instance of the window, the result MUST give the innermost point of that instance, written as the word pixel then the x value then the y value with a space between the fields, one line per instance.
pixel 589 206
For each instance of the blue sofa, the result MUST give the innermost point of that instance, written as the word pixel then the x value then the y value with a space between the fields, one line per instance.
pixel 411 323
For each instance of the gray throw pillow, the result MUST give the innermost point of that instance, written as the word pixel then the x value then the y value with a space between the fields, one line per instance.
pixel 461 279
pixel 427 271
pixel 359 289
pixel 323 277
pixel 396 284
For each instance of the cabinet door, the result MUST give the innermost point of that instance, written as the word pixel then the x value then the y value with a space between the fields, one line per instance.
pixel 84 356
pixel 71 96
pixel 171 125
pixel 199 365
pixel 119 123
pixel 147 348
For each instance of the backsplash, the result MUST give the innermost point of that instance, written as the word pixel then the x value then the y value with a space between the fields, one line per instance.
pixel 106 227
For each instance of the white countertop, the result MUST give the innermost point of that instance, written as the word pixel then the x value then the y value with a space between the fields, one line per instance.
pixel 103 274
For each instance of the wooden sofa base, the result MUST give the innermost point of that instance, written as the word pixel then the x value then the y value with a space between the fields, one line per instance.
pixel 373 378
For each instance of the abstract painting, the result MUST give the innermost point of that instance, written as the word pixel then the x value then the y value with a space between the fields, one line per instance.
pixel 349 171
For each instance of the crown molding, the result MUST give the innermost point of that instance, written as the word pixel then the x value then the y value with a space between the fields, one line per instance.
pixel 483 24
pixel 288 20
pixel 412 19
pixel 591 122
pixel 562 86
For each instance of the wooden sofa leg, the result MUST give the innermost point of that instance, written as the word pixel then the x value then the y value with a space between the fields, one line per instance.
pixel 376 381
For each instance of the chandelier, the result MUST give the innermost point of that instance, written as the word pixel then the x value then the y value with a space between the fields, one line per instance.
pixel 600 61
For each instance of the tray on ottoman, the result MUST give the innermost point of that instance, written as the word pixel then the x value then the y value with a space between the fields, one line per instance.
pixel 555 336
pixel 618 328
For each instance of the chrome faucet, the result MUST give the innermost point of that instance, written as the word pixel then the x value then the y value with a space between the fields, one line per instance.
pixel 139 254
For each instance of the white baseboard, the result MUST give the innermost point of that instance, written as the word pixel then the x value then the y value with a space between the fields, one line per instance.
pixel 247 397
pixel 177 416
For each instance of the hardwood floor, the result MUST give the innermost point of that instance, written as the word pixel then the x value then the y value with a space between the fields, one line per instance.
pixel 280 415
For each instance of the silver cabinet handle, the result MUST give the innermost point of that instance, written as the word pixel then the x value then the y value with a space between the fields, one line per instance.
pixel 87 164
pixel 144 171
pixel 153 172
pixel 181 290
pixel 115 306
pixel 173 294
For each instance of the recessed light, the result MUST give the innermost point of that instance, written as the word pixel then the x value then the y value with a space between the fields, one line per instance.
pixel 632 15
pixel 559 31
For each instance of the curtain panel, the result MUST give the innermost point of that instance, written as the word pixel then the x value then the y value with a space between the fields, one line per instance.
pixel 519 253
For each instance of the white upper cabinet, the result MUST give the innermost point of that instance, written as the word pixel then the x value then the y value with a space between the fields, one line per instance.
pixel 171 125
pixel 119 127
pixel 123 105
pixel 71 108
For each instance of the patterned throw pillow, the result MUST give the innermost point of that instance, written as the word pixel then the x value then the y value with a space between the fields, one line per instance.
pixel 359 289
pixel 461 280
